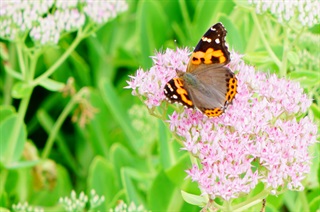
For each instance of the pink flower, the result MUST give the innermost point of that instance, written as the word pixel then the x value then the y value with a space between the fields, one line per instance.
pixel 45 24
pixel 305 12
pixel 150 84
pixel 257 139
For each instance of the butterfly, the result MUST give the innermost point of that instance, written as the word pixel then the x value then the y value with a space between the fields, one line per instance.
pixel 207 84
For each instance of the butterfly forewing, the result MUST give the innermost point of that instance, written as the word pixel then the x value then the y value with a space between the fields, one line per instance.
pixel 207 84
pixel 211 49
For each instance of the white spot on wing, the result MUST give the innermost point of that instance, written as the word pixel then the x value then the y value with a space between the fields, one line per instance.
pixel 217 40
pixel 170 87
pixel 206 39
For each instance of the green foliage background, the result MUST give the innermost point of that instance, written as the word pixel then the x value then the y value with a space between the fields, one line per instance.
pixel 124 153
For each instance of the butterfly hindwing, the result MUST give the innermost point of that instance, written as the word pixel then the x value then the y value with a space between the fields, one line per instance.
pixel 204 94
pixel 175 91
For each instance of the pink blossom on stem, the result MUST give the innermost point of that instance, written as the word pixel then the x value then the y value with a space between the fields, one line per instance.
pixel 257 139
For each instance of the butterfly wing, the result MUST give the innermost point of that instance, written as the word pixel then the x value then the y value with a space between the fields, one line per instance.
pixel 207 84
pixel 211 49
pixel 175 91
pixel 211 90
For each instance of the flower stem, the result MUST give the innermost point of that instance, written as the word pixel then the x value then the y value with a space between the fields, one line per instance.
pixel 252 201
pixel 23 104
pixel 62 117
pixel 265 42
pixel 283 69
pixel 184 12
pixel 22 63
pixel 227 206
pixel 3 177
pixel 304 201
pixel 64 56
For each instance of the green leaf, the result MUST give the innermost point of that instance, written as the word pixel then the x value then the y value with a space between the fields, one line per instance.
pixel 314 199
pixel 130 170
pixel 275 202
pixel 49 197
pixel 166 147
pixel 258 57
pixel 194 199
pixel 6 111
pixel 101 179
pixel 121 157
pixel 293 57
pixel 316 110
pixel 151 35
pixel 3 201
pixel 20 89
pixel 177 172
pixel 51 85
pixel 4 53
pixel 47 124
pixel 305 74
pixel 4 209
pixel 242 3
pixel 11 151
pixel 208 13
pixel 290 200
pixel 161 193
pixel 23 164
pixel 307 78
pixel 111 100
pixel 79 66
pixel 129 176
pixel 313 177
pixel 234 38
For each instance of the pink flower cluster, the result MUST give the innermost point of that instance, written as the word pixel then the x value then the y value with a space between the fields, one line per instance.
pixel 257 139
pixel 150 84
pixel 46 24
pixel 306 11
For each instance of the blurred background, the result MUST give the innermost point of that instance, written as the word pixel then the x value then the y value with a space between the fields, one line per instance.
pixel 109 142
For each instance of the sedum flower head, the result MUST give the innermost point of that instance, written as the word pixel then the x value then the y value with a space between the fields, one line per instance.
pixel 46 20
pixel 101 11
pixel 123 207
pixel 95 200
pixel 25 207
pixel 149 85
pixel 306 11
pixel 73 203
pixel 257 139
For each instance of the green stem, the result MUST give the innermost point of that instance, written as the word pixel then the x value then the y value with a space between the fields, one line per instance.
pixel 304 201
pixel 18 123
pixel 184 12
pixel 22 62
pixel 64 56
pixel 3 177
pixel 23 104
pixel 252 201
pixel 283 69
pixel 265 41
pixel 57 125
pixel 82 33
pixel 228 206
pixel 109 96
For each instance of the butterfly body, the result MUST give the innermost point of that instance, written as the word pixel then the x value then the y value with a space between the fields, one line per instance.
pixel 207 84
